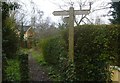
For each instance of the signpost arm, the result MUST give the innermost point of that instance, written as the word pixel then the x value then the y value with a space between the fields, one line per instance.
pixel 71 34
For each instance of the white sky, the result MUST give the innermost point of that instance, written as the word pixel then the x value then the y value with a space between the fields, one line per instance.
pixel 48 6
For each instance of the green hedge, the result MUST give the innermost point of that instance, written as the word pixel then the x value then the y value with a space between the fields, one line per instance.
pixel 55 54
pixel 53 49
pixel 96 47
pixel 24 70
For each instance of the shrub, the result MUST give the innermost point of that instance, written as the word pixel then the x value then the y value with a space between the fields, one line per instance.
pixel 88 54
pixel 9 36
pixel 95 49
pixel 52 49
pixel 95 46
pixel 9 42
pixel 24 70
pixel 55 54
pixel 16 69
pixel 12 70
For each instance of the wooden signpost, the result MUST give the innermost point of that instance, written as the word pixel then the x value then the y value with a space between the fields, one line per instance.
pixel 71 12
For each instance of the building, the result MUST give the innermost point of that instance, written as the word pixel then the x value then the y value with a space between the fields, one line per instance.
pixel 29 37
pixel 26 33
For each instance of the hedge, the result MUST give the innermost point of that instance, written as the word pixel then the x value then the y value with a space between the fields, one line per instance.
pixel 96 47
pixel 55 54
pixel 24 70
pixel 53 49
pixel 16 70
pixel 95 50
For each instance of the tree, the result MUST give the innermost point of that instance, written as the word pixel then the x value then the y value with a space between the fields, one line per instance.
pixel 9 36
pixel 92 5
pixel 30 15
pixel 115 13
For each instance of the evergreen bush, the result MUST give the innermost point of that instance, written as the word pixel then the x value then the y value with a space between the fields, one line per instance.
pixel 96 47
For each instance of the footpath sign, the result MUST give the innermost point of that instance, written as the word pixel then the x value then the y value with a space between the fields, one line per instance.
pixel 71 12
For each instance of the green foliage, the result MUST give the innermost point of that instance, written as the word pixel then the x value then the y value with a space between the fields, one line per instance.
pixel 38 56
pixel 24 70
pixel 9 42
pixel 52 49
pixel 115 13
pixel 69 73
pixel 11 67
pixel 21 34
pixel 9 37
pixel 16 69
pixel 12 70
pixel 55 54
pixel 118 48
pixel 96 47
pixel 6 7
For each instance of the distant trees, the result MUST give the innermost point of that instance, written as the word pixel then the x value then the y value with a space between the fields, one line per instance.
pixel 115 13
pixel 45 29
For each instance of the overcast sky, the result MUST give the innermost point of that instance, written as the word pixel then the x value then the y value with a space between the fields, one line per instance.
pixel 48 6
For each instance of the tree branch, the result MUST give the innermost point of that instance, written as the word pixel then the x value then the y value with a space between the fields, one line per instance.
pixel 89 20
pixel 100 9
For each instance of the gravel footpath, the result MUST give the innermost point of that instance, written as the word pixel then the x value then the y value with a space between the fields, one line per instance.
pixel 36 72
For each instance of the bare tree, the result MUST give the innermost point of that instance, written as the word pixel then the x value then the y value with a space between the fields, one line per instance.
pixel 84 5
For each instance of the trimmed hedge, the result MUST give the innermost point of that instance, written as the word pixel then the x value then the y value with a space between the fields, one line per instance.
pixel 95 50
pixel 96 47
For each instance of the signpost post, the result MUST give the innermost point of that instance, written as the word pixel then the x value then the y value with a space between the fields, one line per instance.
pixel 71 12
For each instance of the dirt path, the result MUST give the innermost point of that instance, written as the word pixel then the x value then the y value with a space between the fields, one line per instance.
pixel 36 72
